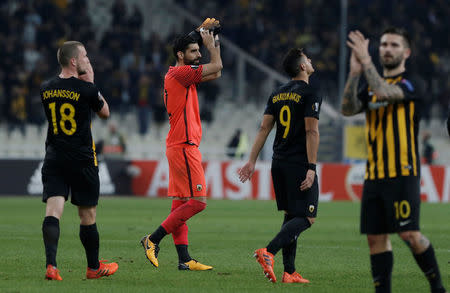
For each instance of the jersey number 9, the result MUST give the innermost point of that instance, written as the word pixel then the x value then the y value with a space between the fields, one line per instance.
pixel 285 122
pixel 66 107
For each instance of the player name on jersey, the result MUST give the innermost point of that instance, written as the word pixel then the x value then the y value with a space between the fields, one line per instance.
pixel 57 93
pixel 286 96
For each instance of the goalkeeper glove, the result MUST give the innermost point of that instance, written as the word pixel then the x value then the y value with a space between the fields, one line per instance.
pixel 210 24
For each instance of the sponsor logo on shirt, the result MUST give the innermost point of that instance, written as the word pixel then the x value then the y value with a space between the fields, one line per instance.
pixel 376 105
pixel 316 107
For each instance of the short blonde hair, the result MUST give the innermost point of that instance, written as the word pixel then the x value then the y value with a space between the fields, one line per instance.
pixel 67 51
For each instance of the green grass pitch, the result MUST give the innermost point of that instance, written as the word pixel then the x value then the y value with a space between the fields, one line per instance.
pixel 332 254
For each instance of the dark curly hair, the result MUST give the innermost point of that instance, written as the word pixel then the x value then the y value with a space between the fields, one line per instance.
pixel 181 43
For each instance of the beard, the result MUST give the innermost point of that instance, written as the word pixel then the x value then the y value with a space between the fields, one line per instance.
pixel 80 70
pixel 393 63
pixel 191 62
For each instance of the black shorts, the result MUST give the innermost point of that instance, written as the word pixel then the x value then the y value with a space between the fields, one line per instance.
pixel 390 205
pixel 79 179
pixel 287 178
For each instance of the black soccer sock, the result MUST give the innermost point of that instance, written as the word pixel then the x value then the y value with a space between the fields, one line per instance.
pixel 159 234
pixel 428 264
pixel 90 239
pixel 381 265
pixel 50 232
pixel 183 254
pixel 288 233
pixel 289 251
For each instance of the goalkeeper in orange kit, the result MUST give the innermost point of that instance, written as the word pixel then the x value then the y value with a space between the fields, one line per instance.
pixel 186 176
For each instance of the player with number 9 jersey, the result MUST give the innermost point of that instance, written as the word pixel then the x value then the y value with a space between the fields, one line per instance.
pixel 290 105
pixel 294 108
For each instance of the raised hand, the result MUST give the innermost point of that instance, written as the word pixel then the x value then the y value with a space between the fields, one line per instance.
pixel 360 46
pixel 210 24
pixel 208 39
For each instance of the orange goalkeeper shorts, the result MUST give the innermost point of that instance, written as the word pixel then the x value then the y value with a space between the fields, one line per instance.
pixel 186 175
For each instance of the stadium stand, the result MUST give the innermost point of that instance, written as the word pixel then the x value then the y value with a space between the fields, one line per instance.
pixel 128 44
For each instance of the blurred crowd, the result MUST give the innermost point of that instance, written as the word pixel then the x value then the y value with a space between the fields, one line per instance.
pixel 267 28
pixel 129 69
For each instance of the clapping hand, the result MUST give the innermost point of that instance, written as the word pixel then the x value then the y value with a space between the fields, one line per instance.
pixel 360 46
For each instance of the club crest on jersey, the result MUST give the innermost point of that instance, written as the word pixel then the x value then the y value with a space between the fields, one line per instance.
pixel 199 187
pixel 311 208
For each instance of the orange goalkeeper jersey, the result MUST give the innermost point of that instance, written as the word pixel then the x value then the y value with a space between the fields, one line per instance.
pixel 181 101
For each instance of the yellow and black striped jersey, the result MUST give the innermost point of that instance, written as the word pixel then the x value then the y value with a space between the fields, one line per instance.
pixel 391 131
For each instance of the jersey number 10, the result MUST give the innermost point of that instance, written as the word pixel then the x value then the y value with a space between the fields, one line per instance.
pixel 402 209
pixel 285 122
pixel 64 117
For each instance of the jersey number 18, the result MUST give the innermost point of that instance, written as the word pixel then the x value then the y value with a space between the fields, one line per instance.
pixel 64 117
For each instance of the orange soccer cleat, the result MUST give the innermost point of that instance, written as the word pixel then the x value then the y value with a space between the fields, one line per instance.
pixel 294 278
pixel 52 273
pixel 105 269
pixel 265 259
